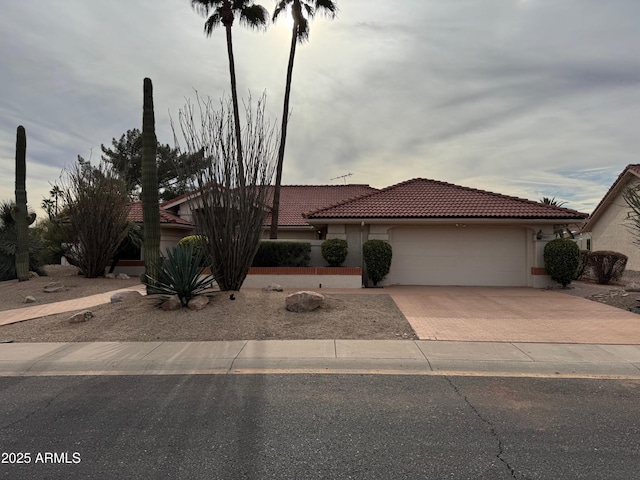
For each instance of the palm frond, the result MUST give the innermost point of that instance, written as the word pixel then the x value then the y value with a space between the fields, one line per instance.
pixel 212 23
pixel 254 16
pixel 327 7
pixel 281 6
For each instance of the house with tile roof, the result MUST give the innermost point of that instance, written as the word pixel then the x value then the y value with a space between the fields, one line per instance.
pixel 445 234
pixel 441 234
pixel 609 223
pixel 295 201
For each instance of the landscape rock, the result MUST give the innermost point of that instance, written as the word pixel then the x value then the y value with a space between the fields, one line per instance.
pixel 198 302
pixel 632 287
pixel 33 274
pixel 81 317
pixel 172 303
pixel 272 287
pixel 110 276
pixel 303 301
pixel 53 287
pixel 123 276
pixel 126 296
pixel 29 299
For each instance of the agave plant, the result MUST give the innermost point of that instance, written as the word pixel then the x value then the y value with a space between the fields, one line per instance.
pixel 180 273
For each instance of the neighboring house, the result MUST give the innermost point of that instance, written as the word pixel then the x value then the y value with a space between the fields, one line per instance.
pixel 444 234
pixel 609 223
pixel 295 200
pixel 172 229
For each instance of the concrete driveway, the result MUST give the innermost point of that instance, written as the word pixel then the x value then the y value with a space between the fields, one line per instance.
pixel 503 314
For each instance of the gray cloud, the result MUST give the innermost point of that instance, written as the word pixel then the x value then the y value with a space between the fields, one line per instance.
pixel 521 97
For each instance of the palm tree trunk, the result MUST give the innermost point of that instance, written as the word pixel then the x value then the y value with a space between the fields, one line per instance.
pixel 275 210
pixel 236 110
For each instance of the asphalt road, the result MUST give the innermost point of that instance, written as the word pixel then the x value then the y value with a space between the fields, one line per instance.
pixel 318 427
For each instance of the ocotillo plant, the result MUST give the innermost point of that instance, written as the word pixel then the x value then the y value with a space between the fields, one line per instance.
pixel 20 215
pixel 150 204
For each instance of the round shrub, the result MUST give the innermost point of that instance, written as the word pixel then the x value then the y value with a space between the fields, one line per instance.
pixel 199 245
pixel 561 260
pixel 377 258
pixel 335 251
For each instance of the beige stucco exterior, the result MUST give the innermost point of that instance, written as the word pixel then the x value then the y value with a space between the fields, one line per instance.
pixel 610 229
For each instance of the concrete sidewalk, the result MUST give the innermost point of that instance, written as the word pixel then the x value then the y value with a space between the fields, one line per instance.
pixel 404 357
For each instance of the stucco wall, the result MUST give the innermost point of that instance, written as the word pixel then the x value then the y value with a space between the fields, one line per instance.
pixel 611 232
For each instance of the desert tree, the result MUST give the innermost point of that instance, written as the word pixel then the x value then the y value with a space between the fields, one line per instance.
pixel 230 200
pixel 301 11
pixel 125 155
pixel 96 207
pixel 223 12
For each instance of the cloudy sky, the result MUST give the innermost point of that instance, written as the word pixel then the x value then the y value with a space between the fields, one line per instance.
pixel 529 98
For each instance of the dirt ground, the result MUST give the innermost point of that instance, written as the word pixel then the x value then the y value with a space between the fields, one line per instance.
pixel 253 315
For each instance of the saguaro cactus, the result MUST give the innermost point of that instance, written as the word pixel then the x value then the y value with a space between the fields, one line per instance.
pixel 19 212
pixel 150 202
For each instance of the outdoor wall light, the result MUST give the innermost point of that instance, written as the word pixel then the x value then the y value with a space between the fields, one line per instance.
pixel 539 235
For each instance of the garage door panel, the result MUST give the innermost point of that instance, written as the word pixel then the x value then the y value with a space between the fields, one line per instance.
pixel 456 256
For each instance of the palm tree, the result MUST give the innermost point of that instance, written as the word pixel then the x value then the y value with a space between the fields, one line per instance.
pixel 223 13
pixel 552 201
pixel 299 34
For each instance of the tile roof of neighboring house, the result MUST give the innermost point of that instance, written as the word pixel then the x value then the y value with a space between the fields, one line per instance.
pixel 629 170
pixel 423 198
pixel 296 200
pixel 135 215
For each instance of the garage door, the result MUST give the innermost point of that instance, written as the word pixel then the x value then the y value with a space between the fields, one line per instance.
pixel 458 256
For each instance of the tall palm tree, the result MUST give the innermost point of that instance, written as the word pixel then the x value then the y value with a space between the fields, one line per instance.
pixel 299 34
pixel 223 12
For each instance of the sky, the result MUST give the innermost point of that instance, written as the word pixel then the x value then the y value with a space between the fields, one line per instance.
pixel 529 98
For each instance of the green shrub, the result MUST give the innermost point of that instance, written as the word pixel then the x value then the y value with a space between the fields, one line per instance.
pixel 606 266
pixel 377 258
pixel 561 259
pixel 282 254
pixel 180 274
pixel 200 243
pixel 334 251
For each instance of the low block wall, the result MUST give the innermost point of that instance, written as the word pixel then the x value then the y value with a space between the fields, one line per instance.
pixel 305 277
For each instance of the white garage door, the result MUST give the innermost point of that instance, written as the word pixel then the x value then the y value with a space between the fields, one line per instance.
pixel 458 256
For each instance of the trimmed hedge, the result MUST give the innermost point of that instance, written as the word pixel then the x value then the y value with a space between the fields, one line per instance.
pixel 561 259
pixel 282 254
pixel 607 266
pixel 377 258
pixel 335 251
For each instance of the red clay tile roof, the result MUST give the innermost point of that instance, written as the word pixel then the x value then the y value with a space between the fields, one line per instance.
pixel 135 215
pixel 423 198
pixel 296 200
pixel 632 169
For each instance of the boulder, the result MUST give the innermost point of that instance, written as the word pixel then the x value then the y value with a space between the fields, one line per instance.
pixel 110 276
pixel 81 317
pixel 272 287
pixel 33 274
pixel 29 299
pixel 126 296
pixel 123 276
pixel 53 287
pixel 632 287
pixel 303 301
pixel 198 302
pixel 172 303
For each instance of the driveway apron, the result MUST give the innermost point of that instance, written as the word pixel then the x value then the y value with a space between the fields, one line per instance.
pixel 505 314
